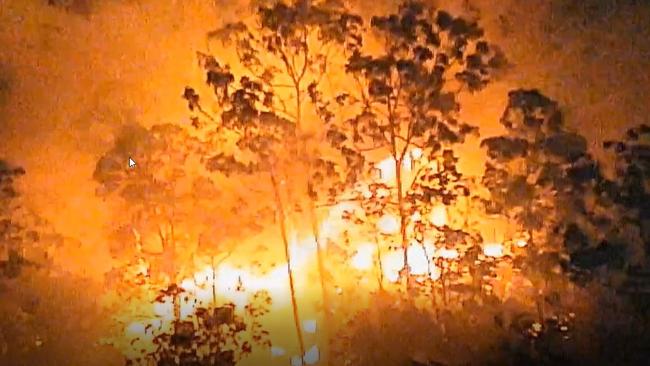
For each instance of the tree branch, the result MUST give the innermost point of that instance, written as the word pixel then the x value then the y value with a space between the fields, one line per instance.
pixel 306 55
pixel 368 149
pixel 416 176
pixel 403 139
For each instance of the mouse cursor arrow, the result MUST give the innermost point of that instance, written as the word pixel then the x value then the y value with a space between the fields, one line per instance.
pixel 131 163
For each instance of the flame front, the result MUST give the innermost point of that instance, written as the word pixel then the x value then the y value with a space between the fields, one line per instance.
pixel 232 283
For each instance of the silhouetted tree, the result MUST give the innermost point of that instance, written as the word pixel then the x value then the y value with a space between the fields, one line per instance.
pixel 156 194
pixel 625 213
pixel 408 98
pixel 25 238
pixel 541 176
pixel 253 141
pixel 290 47
pixel 212 336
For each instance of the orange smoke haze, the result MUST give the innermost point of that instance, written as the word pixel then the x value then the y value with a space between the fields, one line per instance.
pixel 69 81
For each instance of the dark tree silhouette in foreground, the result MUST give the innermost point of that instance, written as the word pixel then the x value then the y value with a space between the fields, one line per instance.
pixel 528 175
pixel 212 336
pixel 25 238
pixel 627 200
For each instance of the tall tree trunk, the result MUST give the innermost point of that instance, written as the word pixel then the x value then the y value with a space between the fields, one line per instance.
pixel 430 273
pixel 320 257
pixel 214 283
pixel 285 242
pixel 169 267
pixel 402 222
pixel 380 266
pixel 297 80
pixel 539 298
pixel 443 281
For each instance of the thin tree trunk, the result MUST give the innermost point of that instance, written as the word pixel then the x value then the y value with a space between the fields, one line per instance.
pixel 321 274
pixel 430 273
pixel 214 307
pixel 285 241
pixel 540 307
pixel 214 284
pixel 320 256
pixel 443 279
pixel 315 230
pixel 539 299
pixel 380 267
pixel 177 306
pixel 402 220
pixel 169 267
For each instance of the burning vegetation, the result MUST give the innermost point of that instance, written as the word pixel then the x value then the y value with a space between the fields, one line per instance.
pixel 313 211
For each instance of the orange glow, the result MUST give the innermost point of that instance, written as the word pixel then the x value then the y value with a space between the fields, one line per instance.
pixel 236 283
pixel 282 179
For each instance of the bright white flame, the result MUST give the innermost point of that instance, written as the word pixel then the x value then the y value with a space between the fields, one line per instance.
pixel 164 310
pixel 521 243
pixel 332 226
pixel 363 259
pixel 309 326
pixel 435 272
pixel 387 169
pixel 446 253
pixel 188 285
pixel 493 250
pixel 301 252
pixel 366 193
pixel 312 356
pixel 392 263
pixel 188 306
pixel 277 351
pixel 204 276
pixel 328 229
pixel 438 215
pixel 136 328
pixel 418 263
pixel 416 153
pixel 142 267
pixel 388 224
pixel 236 284
pixel 407 163
pixel 228 278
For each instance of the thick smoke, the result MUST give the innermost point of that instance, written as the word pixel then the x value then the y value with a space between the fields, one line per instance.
pixel 73 73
